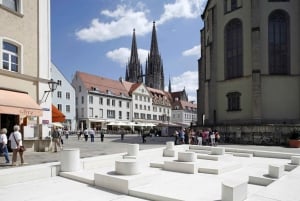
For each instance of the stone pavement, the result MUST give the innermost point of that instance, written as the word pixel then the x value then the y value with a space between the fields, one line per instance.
pixel 44 180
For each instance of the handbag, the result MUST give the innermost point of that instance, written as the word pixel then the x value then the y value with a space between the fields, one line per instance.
pixel 21 148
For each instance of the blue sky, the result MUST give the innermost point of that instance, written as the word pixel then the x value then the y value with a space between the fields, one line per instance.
pixel 95 36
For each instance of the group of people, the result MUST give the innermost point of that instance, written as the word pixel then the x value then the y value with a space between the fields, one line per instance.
pixel 200 137
pixel 15 139
pixel 90 132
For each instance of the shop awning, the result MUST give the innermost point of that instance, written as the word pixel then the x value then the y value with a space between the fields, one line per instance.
pixel 57 116
pixel 18 103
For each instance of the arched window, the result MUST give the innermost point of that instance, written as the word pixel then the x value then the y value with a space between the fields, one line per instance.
pixel 279 43
pixel 233 49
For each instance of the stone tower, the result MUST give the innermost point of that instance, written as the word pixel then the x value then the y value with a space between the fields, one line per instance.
pixel 154 76
pixel 134 72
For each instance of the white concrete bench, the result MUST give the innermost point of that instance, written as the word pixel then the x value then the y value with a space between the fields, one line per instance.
pixel 169 151
pixel 132 151
pixel 183 167
pixel 70 160
pixel 275 171
pixel 127 167
pixel 243 155
pixel 234 190
pixel 217 151
pixel 295 160
pixel 187 156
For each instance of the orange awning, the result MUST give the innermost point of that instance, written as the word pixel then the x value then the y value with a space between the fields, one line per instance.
pixel 57 116
pixel 18 103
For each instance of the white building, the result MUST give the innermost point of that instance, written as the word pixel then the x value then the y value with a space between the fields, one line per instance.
pixel 64 98
pixel 100 101
pixel 25 69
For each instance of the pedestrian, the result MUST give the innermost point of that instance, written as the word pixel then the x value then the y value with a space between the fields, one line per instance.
pixel 66 134
pixel 86 134
pixel 79 134
pixel 144 137
pixel 176 137
pixel 102 135
pixel 15 144
pixel 56 139
pixel 199 137
pixel 92 134
pixel 122 134
pixel 3 144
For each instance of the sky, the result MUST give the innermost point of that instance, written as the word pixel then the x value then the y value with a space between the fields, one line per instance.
pixel 95 36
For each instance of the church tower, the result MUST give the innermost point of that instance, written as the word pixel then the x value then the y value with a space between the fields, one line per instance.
pixel 154 77
pixel 134 72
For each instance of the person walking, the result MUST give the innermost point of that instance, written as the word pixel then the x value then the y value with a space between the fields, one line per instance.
pixel 92 134
pixel 15 143
pixel 3 144
pixel 102 135
pixel 86 134
pixel 56 138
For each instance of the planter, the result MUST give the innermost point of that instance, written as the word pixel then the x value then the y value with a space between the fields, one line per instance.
pixel 294 143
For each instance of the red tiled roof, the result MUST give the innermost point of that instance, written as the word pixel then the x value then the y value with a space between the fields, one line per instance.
pixel 102 84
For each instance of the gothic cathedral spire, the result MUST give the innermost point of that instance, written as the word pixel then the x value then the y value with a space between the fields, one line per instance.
pixel 134 70
pixel 154 77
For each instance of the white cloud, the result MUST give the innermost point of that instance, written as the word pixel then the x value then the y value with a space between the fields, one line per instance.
pixel 195 51
pixel 122 55
pixel 188 81
pixel 124 20
pixel 182 9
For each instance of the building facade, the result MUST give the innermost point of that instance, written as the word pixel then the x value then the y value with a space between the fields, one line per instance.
pixel 64 98
pixel 249 69
pixel 100 101
pixel 25 69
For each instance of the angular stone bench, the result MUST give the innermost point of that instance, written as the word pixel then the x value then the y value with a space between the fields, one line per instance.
pixel 275 171
pixel 295 160
pixel 234 190
pixel 243 155
pixel 183 167
pixel 217 151
pixel 169 151
pixel 187 157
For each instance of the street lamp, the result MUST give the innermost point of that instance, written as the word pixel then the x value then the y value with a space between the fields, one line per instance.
pixel 52 87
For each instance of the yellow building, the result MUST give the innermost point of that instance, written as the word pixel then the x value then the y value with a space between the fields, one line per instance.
pixel 25 69
pixel 249 69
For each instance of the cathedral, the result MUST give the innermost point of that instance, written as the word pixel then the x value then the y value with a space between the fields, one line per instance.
pixel 154 72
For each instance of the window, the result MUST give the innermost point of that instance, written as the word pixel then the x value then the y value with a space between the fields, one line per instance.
pixel 82 99
pixel 101 113
pixel 79 88
pixel 149 116
pixel 58 94
pixel 100 101
pixel 127 104
pixel 154 117
pixel 120 114
pixel 143 116
pixel 279 43
pixel 59 82
pixel 111 114
pixel 113 102
pixel 91 100
pixel 233 101
pixel 231 5
pixel 68 96
pixel 141 107
pixel 136 97
pixel 145 107
pixel 11 4
pixel 136 115
pixel 127 115
pixel 108 102
pixel 233 49
pixel 120 103
pixel 68 108
pixel 59 107
pixel 91 112
pixel 10 57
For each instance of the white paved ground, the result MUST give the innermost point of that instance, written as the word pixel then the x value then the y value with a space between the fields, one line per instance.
pixel 156 183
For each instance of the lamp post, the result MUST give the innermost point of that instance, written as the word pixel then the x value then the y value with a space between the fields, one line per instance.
pixel 52 87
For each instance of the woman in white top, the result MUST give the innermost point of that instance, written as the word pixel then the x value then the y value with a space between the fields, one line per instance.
pixel 3 144
pixel 15 143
